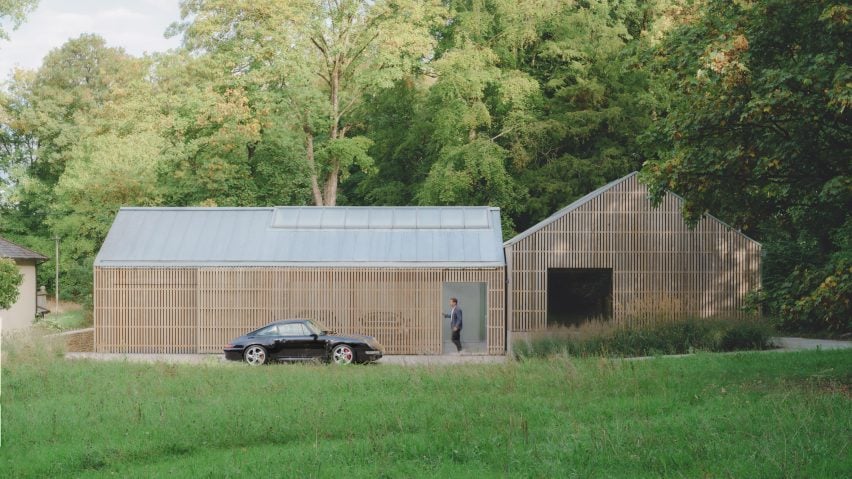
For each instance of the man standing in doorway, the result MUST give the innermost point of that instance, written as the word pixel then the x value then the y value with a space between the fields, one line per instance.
pixel 455 316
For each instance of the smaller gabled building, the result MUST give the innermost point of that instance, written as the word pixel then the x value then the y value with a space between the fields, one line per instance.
pixel 23 312
pixel 612 254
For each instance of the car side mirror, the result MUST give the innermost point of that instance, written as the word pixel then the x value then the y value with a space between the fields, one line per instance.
pixel 315 336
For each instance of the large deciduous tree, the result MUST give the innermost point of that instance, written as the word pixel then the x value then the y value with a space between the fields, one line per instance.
pixel 313 62
pixel 79 140
pixel 758 130
pixel 532 104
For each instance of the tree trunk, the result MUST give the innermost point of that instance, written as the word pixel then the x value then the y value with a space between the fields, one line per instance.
pixel 331 187
pixel 309 148
pixel 334 175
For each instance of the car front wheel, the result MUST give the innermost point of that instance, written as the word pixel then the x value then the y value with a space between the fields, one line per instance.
pixel 343 354
pixel 255 355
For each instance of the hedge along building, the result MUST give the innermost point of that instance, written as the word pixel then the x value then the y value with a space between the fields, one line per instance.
pixel 611 254
pixel 186 280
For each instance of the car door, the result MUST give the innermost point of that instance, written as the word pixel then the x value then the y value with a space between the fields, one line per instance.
pixel 293 340
pixel 270 338
pixel 315 342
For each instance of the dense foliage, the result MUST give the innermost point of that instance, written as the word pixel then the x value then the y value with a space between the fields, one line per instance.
pixel 10 279
pixel 742 107
pixel 757 130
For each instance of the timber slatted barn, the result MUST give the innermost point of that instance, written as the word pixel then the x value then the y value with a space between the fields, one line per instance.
pixel 612 254
pixel 187 280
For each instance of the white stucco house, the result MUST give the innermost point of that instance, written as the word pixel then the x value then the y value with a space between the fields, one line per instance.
pixel 23 312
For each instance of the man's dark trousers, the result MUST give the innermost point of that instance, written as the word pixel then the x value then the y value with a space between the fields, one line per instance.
pixel 456 325
pixel 457 339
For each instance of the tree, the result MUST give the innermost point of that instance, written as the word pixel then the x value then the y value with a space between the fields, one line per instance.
pixel 316 61
pixel 757 130
pixel 595 102
pixel 532 105
pixel 469 166
pixel 225 146
pixel 15 11
pixel 86 111
pixel 10 280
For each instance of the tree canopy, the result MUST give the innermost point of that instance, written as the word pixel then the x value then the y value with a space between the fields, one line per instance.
pixel 757 129
pixel 740 107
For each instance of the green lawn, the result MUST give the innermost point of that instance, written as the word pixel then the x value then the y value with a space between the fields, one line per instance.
pixel 742 415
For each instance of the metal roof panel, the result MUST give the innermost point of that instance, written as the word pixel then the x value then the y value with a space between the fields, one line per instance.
pixel 368 236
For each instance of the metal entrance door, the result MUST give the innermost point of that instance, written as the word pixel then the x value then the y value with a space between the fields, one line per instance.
pixel 472 301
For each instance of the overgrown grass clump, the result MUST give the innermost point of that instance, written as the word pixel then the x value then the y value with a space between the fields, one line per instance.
pixel 602 338
pixel 64 321
pixel 743 415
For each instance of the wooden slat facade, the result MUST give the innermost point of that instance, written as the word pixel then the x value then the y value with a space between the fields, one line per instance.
pixel 198 310
pixel 661 268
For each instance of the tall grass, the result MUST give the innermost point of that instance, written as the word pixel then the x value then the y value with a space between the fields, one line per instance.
pixel 72 317
pixel 668 336
pixel 747 415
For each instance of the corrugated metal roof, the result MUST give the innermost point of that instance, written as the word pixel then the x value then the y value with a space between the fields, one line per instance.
pixel 14 251
pixel 304 236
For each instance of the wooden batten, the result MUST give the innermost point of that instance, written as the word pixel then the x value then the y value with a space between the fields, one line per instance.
pixel 661 268
pixel 198 310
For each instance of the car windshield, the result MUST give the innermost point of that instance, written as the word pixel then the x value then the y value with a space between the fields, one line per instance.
pixel 314 327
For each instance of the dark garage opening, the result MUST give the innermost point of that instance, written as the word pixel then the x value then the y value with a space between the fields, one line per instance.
pixel 575 295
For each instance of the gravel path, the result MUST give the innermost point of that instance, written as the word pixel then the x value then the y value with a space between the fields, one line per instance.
pixel 797 344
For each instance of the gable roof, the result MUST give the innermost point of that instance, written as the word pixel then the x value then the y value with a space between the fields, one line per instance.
pixel 15 251
pixel 304 236
pixel 594 194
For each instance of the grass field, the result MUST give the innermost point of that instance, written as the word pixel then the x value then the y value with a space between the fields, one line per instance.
pixel 740 415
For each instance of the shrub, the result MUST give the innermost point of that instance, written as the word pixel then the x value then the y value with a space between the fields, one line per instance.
pixel 744 335
pixel 10 279
pixel 601 338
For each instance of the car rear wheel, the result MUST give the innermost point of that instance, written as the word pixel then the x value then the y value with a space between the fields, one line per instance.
pixel 343 354
pixel 255 355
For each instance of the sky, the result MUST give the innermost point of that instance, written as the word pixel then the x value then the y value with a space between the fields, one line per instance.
pixel 136 25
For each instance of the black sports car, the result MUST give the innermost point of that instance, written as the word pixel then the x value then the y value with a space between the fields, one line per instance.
pixel 301 340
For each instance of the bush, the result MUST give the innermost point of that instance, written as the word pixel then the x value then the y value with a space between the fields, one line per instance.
pixel 10 279
pixel 744 336
pixel 601 338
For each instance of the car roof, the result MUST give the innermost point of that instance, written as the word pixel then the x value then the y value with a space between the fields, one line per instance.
pixel 291 320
